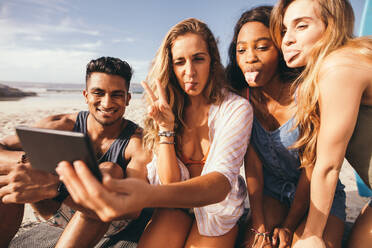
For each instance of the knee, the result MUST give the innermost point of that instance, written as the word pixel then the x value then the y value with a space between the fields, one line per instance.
pixel 333 232
pixel 112 169
pixel 168 213
pixel 11 210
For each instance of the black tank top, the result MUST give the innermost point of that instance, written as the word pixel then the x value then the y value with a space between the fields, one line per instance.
pixel 116 151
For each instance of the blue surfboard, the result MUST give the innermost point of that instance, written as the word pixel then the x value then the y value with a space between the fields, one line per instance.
pixel 366 21
pixel 365 29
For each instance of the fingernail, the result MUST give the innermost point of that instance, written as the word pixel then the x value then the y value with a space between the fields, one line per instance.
pixel 77 165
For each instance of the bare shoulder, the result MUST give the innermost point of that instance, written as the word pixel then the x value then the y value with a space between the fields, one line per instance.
pixel 348 68
pixel 347 63
pixel 135 141
pixel 60 122
pixel 135 147
pixel 351 61
pixel 351 58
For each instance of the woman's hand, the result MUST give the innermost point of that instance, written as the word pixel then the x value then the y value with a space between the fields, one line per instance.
pixel 282 237
pixel 159 109
pixel 261 242
pixel 257 238
pixel 112 199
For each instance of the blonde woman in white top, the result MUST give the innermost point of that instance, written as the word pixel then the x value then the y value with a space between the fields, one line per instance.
pixel 192 118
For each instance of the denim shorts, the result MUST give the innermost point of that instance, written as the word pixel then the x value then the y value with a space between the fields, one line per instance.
pixel 285 191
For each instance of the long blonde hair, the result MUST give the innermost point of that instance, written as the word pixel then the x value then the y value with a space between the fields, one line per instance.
pixel 162 69
pixel 338 17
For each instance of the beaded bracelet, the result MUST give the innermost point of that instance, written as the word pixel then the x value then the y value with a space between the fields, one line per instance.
pixel 260 233
pixel 167 133
pixel 257 234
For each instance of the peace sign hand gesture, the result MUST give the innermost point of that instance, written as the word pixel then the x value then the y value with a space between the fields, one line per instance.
pixel 159 109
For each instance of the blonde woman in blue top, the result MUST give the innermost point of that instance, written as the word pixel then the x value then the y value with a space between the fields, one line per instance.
pixel 334 111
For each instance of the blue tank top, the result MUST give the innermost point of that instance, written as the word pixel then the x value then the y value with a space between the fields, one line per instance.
pixel 273 149
pixel 280 163
pixel 116 151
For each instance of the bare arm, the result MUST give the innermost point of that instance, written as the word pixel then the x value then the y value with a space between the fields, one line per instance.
pixel 10 150
pixel 162 114
pixel 301 200
pixel 116 198
pixel 139 157
pixel 341 90
pixel 19 182
pixel 254 178
pixel 283 235
pixel 199 191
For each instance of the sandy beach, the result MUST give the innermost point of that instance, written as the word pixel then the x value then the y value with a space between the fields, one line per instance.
pixel 28 110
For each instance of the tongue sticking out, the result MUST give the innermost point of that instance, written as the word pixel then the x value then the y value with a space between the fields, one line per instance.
pixel 189 86
pixel 250 77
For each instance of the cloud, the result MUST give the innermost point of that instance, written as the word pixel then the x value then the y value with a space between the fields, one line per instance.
pixel 67 25
pixel 140 68
pixel 88 46
pixel 4 10
pixel 125 40
pixel 55 65
pixel 44 65
pixel 9 28
pixel 49 6
pixel 49 19
pixel 42 42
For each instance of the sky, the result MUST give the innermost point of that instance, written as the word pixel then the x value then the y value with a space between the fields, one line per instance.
pixel 51 41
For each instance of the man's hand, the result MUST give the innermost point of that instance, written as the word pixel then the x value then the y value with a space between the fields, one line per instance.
pixel 310 242
pixel 111 169
pixel 20 183
pixel 112 199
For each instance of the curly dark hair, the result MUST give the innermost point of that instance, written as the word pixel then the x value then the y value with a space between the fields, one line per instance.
pixel 112 66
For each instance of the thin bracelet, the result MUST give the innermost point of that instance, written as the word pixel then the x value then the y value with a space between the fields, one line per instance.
pixel 167 142
pixel 167 133
pixel 257 235
pixel 260 233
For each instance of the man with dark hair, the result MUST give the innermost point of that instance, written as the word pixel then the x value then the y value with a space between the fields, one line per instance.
pixel 111 66
pixel 116 140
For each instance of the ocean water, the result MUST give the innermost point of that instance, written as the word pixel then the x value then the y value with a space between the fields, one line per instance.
pixel 49 96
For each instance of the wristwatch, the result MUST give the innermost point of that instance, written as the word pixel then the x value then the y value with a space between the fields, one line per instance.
pixel 62 193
